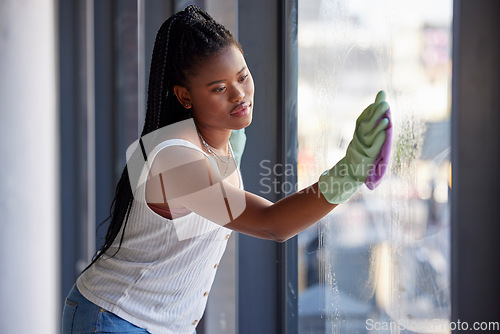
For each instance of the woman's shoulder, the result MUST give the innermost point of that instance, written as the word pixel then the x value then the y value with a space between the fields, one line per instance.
pixel 167 147
pixel 173 145
pixel 182 134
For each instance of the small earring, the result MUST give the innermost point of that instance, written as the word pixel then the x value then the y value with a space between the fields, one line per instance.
pixel 187 104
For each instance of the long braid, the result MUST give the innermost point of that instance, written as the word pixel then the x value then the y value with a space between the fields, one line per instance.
pixel 183 42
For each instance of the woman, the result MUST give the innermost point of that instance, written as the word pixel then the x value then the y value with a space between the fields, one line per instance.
pixel 181 194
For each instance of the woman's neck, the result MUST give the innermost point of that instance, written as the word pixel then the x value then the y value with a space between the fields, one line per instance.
pixel 216 138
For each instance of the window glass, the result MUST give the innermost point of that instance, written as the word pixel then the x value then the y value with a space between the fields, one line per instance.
pixel 379 263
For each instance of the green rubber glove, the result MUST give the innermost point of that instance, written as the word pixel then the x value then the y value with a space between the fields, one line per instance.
pixel 238 140
pixel 339 183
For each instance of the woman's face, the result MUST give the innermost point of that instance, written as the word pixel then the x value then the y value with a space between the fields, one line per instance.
pixel 221 91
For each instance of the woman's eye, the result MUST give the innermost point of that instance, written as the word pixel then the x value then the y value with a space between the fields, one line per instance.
pixel 243 78
pixel 219 89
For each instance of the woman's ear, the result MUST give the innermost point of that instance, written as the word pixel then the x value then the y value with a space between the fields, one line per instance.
pixel 183 96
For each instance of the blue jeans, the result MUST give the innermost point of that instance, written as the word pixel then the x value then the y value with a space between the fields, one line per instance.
pixel 80 316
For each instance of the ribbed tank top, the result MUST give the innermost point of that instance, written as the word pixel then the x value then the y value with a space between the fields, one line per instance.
pixel 159 279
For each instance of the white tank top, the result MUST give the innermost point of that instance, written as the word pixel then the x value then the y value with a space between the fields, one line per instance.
pixel 159 280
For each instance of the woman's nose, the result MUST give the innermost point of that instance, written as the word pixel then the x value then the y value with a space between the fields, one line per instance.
pixel 238 94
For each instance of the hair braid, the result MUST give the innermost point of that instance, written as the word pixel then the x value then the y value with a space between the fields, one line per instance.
pixel 183 42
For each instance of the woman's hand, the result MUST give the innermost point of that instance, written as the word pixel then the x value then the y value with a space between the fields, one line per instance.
pixel 339 183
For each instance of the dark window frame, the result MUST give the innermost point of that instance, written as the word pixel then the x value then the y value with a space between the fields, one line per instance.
pixel 475 250
pixel 268 270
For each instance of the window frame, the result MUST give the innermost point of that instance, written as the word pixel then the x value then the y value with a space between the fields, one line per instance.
pixel 267 270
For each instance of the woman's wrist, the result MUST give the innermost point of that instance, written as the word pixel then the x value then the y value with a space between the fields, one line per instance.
pixel 337 185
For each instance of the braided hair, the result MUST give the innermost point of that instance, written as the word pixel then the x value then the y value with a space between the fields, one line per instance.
pixel 183 42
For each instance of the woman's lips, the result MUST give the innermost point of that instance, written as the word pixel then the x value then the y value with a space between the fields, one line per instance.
pixel 241 110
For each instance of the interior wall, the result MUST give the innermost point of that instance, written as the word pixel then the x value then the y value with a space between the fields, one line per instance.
pixel 29 223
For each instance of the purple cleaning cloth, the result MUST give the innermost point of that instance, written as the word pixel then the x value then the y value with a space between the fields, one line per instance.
pixel 382 162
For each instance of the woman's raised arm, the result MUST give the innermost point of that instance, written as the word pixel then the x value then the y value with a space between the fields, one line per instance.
pixel 198 186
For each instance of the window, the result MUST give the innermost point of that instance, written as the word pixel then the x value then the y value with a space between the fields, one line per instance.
pixel 381 261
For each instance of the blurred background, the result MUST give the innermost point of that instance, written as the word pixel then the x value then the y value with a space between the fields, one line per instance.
pixel 421 247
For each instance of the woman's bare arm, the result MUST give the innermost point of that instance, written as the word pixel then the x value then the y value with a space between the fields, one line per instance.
pixel 196 186
pixel 284 219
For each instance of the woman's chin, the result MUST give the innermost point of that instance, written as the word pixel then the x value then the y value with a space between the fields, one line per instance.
pixel 243 122
pixel 248 123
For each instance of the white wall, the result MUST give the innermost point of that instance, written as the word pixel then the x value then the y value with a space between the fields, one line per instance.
pixel 29 222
